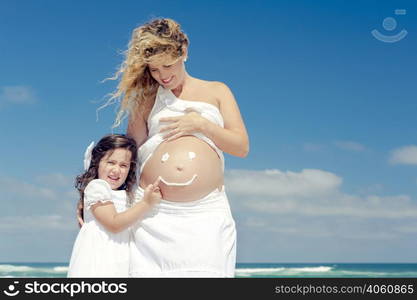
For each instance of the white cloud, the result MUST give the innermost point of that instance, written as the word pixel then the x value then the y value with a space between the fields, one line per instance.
pixel 34 223
pixel 336 229
pixel 371 189
pixel 255 222
pixel 22 198
pixel 394 207
pixel 411 228
pixel 311 193
pixel 27 190
pixel 56 180
pixel 350 146
pixel 18 94
pixel 271 207
pixel 38 207
pixel 307 183
pixel 54 186
pixel 405 155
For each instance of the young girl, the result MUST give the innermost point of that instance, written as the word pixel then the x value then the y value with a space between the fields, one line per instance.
pixel 101 248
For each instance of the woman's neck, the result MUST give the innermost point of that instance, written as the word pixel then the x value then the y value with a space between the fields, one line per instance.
pixel 178 90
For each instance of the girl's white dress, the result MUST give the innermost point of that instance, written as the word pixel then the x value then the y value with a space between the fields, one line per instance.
pixel 98 252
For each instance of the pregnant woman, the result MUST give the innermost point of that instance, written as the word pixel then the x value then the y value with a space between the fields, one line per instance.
pixel 182 125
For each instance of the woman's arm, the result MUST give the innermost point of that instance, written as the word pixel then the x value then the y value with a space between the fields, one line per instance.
pixel 233 138
pixel 137 129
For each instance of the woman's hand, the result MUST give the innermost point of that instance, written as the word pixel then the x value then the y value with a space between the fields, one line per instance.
pixel 188 124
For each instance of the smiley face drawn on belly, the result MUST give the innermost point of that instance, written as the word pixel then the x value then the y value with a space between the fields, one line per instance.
pixel 164 158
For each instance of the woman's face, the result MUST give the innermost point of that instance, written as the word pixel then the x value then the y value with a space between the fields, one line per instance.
pixel 167 73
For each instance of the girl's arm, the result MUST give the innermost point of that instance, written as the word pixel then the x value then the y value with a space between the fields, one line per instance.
pixel 106 213
pixel 232 139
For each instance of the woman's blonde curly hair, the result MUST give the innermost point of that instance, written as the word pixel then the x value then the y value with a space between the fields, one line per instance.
pixel 155 41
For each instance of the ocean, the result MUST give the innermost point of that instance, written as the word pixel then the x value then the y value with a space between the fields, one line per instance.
pixel 248 270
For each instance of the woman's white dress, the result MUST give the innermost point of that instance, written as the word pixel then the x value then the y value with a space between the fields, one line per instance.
pixel 183 239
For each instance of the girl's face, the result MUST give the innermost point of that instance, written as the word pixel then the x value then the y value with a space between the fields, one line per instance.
pixel 114 167
pixel 168 74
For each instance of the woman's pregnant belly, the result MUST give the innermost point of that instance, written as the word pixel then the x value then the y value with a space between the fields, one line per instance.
pixel 189 169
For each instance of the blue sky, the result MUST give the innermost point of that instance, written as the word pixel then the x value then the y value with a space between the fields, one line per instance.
pixel 330 111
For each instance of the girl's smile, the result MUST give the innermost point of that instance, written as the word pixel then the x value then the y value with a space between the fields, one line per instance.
pixel 114 167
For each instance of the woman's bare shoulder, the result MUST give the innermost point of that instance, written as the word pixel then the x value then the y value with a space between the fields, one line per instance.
pixel 221 92
pixel 212 84
pixel 217 89
pixel 214 92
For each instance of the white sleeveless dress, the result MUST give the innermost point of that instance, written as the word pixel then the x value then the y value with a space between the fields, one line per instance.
pixel 183 239
pixel 98 252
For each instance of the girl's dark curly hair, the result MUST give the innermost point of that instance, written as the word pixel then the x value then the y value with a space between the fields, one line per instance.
pixel 107 145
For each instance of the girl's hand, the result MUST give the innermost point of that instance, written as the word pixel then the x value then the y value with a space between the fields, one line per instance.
pixel 152 194
pixel 188 124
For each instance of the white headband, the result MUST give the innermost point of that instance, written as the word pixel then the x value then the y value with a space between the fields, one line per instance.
pixel 87 156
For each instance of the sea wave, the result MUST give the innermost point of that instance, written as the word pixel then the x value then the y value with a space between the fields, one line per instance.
pixel 376 274
pixel 248 272
pixel 60 269
pixel 8 269
pixel 12 268
pixel 319 269
pixel 243 271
